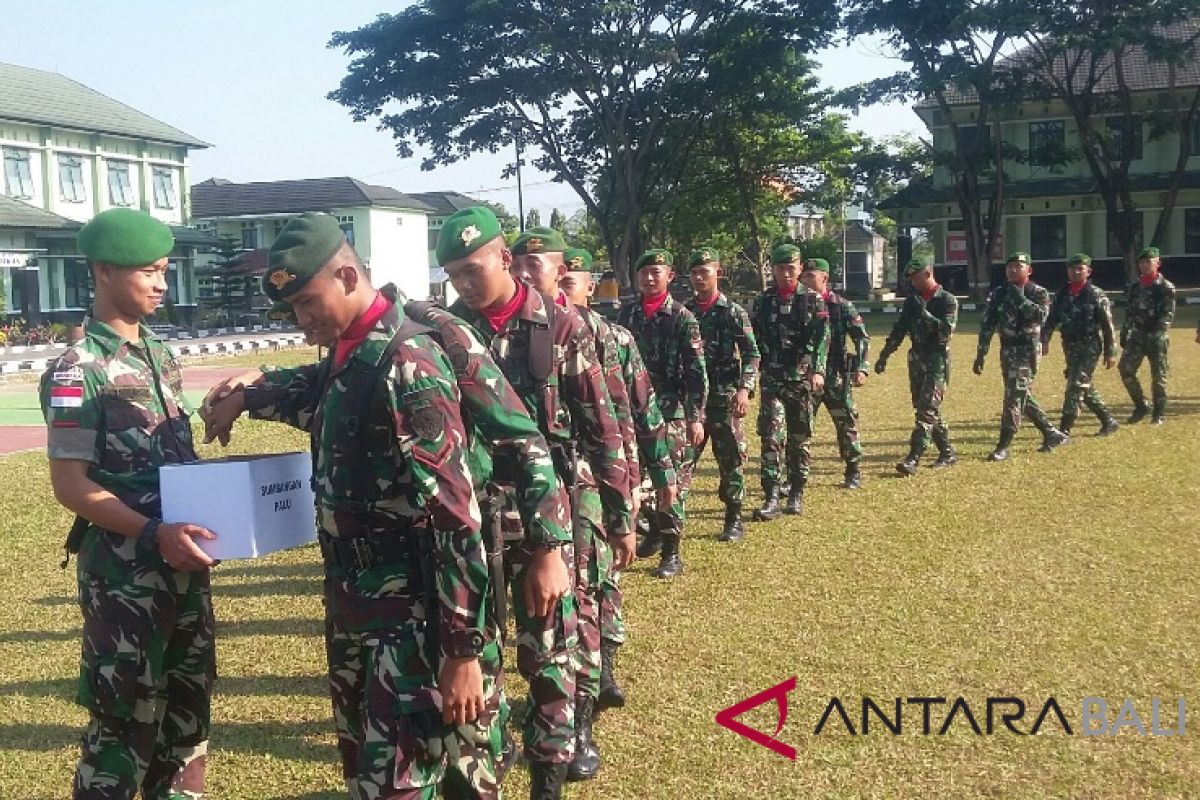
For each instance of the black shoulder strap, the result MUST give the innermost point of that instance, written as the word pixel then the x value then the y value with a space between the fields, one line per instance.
pixel 541 344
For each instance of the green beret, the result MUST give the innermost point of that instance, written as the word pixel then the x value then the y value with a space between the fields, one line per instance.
pixel 1019 255
pixel 125 237
pixel 298 253
pixel 786 254
pixel 915 265
pixel 703 256
pixel 654 257
pixel 281 310
pixel 816 265
pixel 1147 252
pixel 466 231
pixel 539 240
pixel 1080 258
pixel 577 259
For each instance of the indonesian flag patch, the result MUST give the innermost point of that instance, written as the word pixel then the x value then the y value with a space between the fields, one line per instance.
pixel 66 396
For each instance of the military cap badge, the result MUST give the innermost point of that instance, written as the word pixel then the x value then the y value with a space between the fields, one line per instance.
pixel 534 244
pixel 469 234
pixel 660 258
pixel 577 262
pixel 281 278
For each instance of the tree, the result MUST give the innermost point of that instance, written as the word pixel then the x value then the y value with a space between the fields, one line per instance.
pixel 1093 56
pixel 954 49
pixel 533 219
pixel 508 221
pixel 232 288
pixel 613 96
pixel 557 220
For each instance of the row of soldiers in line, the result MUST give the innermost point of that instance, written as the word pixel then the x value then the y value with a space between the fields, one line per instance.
pixel 424 423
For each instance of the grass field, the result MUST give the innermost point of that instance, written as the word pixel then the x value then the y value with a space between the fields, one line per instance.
pixel 1065 575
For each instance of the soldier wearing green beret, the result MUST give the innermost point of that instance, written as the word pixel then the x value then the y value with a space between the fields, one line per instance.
pixel 668 337
pixel 843 371
pixel 732 358
pixel 928 316
pixel 396 507
pixel 792 328
pixel 1145 334
pixel 548 356
pixel 1081 311
pixel 115 412
pixel 1017 311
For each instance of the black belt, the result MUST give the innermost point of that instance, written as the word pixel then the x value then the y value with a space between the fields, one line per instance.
pixel 363 552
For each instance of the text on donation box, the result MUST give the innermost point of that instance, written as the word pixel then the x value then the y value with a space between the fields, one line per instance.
pixel 254 504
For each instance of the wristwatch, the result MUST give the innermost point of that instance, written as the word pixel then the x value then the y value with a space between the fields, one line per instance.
pixel 466 643
pixel 147 540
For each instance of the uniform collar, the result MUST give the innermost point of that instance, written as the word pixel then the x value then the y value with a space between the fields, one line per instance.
pixel 109 340
pixel 692 304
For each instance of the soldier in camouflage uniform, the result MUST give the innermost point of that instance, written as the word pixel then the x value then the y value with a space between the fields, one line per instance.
pixel 1145 334
pixel 1081 311
pixel 545 352
pixel 1017 310
pixel 842 371
pixel 645 450
pixel 539 262
pixel 413 652
pixel 792 328
pixel 731 356
pixel 668 338
pixel 929 316
pixel 115 412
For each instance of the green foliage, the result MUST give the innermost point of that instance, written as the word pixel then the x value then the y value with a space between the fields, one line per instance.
pixel 558 220
pixel 232 291
pixel 533 219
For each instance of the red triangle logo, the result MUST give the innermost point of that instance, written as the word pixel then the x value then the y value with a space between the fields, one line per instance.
pixel 727 718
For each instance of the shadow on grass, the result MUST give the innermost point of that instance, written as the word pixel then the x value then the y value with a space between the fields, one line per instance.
pixel 229 685
pixel 284 587
pixel 311 569
pixel 303 626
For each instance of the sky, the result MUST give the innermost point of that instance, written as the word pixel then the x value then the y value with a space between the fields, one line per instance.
pixel 250 77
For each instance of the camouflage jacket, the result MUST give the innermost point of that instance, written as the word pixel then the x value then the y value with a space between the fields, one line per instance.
pixel 606 349
pixel 572 406
pixel 1017 313
pixel 792 336
pixel 730 348
pixel 930 323
pixel 415 472
pixel 119 406
pixel 1083 319
pixel 1150 309
pixel 844 320
pixel 653 452
pixel 673 352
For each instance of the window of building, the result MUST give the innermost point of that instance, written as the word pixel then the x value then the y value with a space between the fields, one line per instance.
pixel 280 224
pixel 164 187
pixel 347 226
pixel 1191 230
pixel 70 179
pixel 434 235
pixel 77 283
pixel 1125 138
pixel 18 176
pixel 1048 237
pixel 120 189
pixel 1047 140
pixel 173 282
pixel 1114 247
pixel 249 235
pixel 16 282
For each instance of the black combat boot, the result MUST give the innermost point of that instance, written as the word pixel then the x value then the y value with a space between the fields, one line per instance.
pixel 852 478
pixel 1140 410
pixel 546 781
pixel 910 463
pixel 1001 451
pixel 1068 422
pixel 670 565
pixel 946 455
pixel 611 693
pixel 1160 407
pixel 1108 425
pixel 733 530
pixel 586 763
pixel 652 542
pixel 795 503
pixel 1052 438
pixel 770 507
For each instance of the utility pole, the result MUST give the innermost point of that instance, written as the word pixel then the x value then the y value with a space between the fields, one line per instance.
pixel 520 195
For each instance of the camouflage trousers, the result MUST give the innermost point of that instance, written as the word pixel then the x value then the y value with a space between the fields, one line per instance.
pixel 145 677
pixel 590 567
pixel 1018 365
pixel 1153 349
pixel 785 418
pixel 612 619
pixel 927 380
pixel 383 683
pixel 1082 360
pixel 727 434
pixel 838 398
pixel 683 458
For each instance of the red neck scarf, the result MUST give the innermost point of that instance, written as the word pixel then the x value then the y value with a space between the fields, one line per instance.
pixel 561 299
pixel 652 303
pixel 1146 280
pixel 932 291
pixel 786 294
pixel 354 335
pixel 1076 288
pixel 704 305
pixel 499 317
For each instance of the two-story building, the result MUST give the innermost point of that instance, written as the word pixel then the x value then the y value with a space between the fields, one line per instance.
pixel 70 152
pixel 388 229
pixel 1053 210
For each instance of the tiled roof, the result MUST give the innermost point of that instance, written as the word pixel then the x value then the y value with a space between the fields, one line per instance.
pixel 445 203
pixel 16 214
pixel 221 198
pixel 47 98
